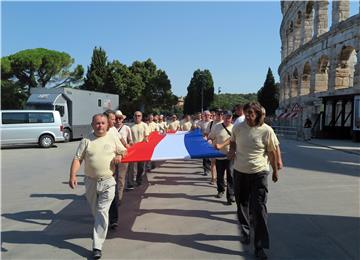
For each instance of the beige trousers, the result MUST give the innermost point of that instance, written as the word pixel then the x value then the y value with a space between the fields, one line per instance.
pixel 100 193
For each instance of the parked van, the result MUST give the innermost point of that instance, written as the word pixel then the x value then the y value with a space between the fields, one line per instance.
pixel 43 127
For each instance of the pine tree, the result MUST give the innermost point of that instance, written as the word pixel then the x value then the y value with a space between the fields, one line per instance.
pixel 268 95
pixel 97 71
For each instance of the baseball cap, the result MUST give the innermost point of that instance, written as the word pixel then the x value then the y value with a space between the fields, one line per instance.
pixel 227 113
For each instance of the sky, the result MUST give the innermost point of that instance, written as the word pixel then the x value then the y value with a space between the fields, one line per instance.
pixel 236 41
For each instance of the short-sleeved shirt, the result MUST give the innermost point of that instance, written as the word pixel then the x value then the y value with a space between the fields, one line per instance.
pixel 153 127
pixel 239 120
pixel 210 127
pixel 196 123
pixel 186 126
pixel 98 152
pixel 125 133
pixel 139 131
pixel 204 125
pixel 220 135
pixel 252 145
pixel 113 131
pixel 174 125
pixel 162 126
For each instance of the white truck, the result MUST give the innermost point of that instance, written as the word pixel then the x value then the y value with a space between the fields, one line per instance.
pixel 75 106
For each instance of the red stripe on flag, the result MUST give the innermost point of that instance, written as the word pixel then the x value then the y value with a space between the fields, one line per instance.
pixel 143 151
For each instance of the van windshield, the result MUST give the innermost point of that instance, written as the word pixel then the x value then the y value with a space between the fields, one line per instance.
pixel 37 106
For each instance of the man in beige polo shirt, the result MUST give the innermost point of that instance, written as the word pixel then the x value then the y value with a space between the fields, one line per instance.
pixel 220 136
pixel 101 152
pixel 140 133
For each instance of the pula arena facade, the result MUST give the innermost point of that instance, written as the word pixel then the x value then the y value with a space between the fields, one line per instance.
pixel 320 68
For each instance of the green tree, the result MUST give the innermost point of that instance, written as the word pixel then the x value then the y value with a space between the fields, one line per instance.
pixel 227 101
pixel 268 95
pixel 155 94
pixel 200 92
pixel 34 68
pixel 40 67
pixel 97 72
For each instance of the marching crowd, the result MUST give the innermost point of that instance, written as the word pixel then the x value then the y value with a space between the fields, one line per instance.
pixel 250 146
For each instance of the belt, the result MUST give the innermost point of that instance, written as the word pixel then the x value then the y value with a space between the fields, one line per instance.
pixel 98 179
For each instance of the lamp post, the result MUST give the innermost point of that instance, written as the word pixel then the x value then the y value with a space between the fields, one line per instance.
pixel 202 98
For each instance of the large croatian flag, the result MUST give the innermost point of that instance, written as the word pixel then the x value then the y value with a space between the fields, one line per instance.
pixel 179 145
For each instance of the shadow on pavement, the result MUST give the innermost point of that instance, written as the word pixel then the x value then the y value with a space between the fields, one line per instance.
pixel 293 236
pixel 317 158
pixel 74 221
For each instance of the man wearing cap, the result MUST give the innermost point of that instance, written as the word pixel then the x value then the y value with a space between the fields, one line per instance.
pixel 101 152
pixel 126 139
pixel 220 135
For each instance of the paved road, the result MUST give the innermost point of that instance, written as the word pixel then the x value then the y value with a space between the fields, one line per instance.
pixel 313 210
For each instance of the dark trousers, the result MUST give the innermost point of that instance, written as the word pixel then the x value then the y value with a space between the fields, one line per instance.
pixel 113 211
pixel 206 165
pixel 139 169
pixel 223 166
pixel 252 187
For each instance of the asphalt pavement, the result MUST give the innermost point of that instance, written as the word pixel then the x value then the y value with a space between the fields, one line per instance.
pixel 313 210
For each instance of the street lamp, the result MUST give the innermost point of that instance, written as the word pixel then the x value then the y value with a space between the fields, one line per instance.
pixel 202 98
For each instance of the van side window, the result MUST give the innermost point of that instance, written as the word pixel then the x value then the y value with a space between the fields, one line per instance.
pixel 15 118
pixel 41 118
pixel 61 110
pixel 99 102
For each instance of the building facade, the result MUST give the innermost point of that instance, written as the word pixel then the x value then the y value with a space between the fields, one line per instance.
pixel 320 68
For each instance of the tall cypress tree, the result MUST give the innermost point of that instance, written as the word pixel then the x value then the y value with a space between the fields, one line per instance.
pixel 97 71
pixel 201 85
pixel 268 95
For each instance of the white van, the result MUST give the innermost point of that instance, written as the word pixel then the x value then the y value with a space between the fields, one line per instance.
pixel 43 127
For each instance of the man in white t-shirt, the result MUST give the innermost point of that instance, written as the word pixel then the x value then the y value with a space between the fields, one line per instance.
pixel 240 114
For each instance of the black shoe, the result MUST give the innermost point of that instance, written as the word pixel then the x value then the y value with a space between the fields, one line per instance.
pixel 229 203
pixel 205 174
pixel 244 239
pixel 113 226
pixel 129 187
pixel 232 199
pixel 220 195
pixel 96 253
pixel 260 253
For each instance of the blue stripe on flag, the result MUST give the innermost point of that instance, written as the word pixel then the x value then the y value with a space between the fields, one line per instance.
pixel 197 147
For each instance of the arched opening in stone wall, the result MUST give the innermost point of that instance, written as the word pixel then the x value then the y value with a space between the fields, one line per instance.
pixel 321 76
pixel 309 21
pixel 345 68
pixel 297 30
pixel 294 84
pixel 305 80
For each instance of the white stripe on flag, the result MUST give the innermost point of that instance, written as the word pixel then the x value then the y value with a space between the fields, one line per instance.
pixel 172 146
